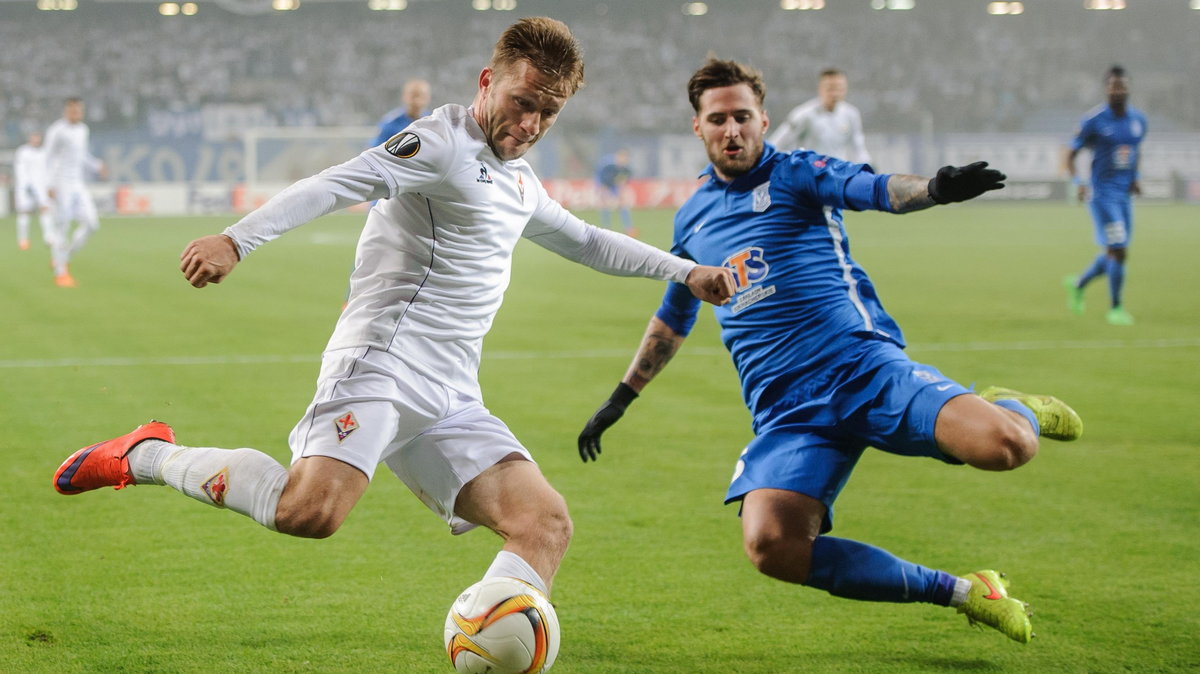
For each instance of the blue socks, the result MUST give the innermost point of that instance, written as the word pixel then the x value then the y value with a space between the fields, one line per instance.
pixel 1098 267
pixel 853 570
pixel 1019 408
pixel 1116 279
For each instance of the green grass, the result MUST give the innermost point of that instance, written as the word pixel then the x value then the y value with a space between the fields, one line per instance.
pixel 1099 535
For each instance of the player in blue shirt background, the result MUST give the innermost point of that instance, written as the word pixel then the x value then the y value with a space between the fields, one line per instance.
pixel 1114 134
pixel 821 363
pixel 414 104
pixel 612 175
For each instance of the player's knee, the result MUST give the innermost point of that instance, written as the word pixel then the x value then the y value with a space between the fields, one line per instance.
pixel 1012 444
pixel 779 557
pixel 307 520
pixel 544 522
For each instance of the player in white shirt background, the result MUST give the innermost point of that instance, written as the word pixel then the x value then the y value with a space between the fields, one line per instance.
pixel 29 169
pixel 399 377
pixel 68 163
pixel 825 124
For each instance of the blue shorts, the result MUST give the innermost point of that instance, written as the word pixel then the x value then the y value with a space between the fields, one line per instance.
pixel 887 401
pixel 1113 219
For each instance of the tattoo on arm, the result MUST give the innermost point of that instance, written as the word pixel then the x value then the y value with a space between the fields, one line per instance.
pixel 909 193
pixel 658 346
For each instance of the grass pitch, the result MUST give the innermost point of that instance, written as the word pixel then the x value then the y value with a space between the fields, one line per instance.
pixel 1100 535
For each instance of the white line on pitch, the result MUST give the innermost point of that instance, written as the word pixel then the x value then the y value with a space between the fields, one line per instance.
pixel 1186 342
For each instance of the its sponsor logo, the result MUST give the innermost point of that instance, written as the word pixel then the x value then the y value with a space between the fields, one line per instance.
pixel 484 176
pixel 403 145
pixel 819 163
pixel 749 268
pixel 345 425
pixel 216 486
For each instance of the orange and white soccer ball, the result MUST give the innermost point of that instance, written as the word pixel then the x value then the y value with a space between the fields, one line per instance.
pixel 502 626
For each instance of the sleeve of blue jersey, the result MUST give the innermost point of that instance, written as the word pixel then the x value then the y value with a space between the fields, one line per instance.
pixel 679 309
pixel 836 182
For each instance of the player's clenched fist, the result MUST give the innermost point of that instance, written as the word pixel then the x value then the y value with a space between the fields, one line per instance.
pixel 208 259
pixel 711 284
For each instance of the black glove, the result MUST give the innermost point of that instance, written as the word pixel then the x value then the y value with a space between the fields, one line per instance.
pixel 959 183
pixel 607 415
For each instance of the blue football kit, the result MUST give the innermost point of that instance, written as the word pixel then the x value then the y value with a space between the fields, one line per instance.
pixel 395 121
pixel 1115 142
pixel 821 363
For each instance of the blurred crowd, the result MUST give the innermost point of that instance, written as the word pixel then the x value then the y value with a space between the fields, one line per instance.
pixel 909 72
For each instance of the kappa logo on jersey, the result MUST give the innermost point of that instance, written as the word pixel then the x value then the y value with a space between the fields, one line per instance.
pixel 345 425
pixel 216 486
pixel 484 176
pixel 762 197
pixel 403 145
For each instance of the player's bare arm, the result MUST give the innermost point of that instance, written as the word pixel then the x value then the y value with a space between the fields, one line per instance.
pixel 659 345
pixel 952 184
pixel 711 284
pixel 909 193
pixel 208 259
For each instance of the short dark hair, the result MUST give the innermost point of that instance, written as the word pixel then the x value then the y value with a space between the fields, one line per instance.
pixel 72 99
pixel 545 44
pixel 831 72
pixel 717 73
pixel 1115 71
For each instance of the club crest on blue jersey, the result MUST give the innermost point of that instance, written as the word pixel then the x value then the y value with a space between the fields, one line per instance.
pixel 403 145
pixel 761 197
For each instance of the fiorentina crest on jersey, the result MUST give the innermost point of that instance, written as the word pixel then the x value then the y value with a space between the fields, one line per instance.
pixel 345 425
pixel 403 145
pixel 216 486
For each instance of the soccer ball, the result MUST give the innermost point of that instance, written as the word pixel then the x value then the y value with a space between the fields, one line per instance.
pixel 502 626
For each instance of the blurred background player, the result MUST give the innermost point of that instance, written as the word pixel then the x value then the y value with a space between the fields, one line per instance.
pixel 29 169
pixel 612 177
pixel 821 363
pixel 826 124
pixel 1114 133
pixel 414 104
pixel 68 161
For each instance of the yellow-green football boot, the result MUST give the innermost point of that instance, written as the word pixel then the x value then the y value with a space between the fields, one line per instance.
pixel 988 603
pixel 1056 419
pixel 1074 295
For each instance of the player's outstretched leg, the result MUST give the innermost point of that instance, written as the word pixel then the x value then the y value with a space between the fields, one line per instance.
pixel 106 464
pixel 1075 302
pixel 1056 419
pixel 988 603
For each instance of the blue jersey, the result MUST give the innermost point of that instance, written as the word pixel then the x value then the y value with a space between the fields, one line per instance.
pixel 802 302
pixel 395 121
pixel 612 175
pixel 1115 144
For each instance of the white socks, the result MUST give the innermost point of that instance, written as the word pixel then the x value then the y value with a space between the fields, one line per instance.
pixel 244 480
pixel 961 587
pixel 510 565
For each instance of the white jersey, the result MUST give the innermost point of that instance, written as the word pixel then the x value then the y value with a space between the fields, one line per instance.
pixel 67 155
pixel 434 258
pixel 29 168
pixel 837 133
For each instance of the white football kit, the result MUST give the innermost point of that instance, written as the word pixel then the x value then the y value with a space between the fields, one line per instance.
pixel 29 169
pixel 67 162
pixel 398 379
pixel 810 126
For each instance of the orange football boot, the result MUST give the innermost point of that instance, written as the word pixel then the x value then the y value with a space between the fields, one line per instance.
pixel 64 281
pixel 105 464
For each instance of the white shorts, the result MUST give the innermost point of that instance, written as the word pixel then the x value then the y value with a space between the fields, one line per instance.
pixel 370 408
pixel 29 197
pixel 73 201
